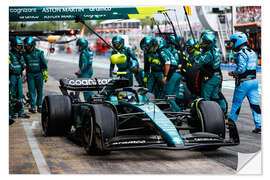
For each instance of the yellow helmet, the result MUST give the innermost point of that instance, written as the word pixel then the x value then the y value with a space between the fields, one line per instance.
pixel 118 58
pixel 126 96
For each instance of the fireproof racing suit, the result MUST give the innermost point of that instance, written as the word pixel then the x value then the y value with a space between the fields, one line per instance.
pixel 180 57
pixel 36 66
pixel 246 85
pixel 211 72
pixel 157 62
pixel 16 66
pixel 86 69
pixel 138 72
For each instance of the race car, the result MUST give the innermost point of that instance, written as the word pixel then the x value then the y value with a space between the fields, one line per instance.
pixel 119 117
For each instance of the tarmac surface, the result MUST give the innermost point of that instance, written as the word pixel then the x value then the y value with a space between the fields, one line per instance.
pixel 32 153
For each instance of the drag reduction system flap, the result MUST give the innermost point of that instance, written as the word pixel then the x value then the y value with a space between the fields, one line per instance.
pixel 92 84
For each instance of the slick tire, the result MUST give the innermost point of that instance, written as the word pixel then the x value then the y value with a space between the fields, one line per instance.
pixel 99 124
pixel 56 115
pixel 212 120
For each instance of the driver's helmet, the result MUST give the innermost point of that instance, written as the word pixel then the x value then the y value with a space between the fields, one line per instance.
pixel 29 44
pixel 126 96
pixel 118 42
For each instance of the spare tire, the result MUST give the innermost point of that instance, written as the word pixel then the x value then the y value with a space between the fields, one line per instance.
pixel 56 115
pixel 193 80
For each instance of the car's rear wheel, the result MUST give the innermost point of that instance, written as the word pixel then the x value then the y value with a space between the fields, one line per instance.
pixel 56 115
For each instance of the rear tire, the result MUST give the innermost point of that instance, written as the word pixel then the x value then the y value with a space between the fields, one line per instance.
pixel 56 115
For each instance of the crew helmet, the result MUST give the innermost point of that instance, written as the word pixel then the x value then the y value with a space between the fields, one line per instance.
pixel 118 42
pixel 191 45
pixel 82 43
pixel 237 39
pixel 207 31
pixel 145 43
pixel 16 42
pixel 175 41
pixel 29 43
pixel 208 41
pixel 157 43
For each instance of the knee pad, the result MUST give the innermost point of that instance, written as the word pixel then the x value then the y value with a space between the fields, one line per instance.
pixel 256 108
pixel 238 111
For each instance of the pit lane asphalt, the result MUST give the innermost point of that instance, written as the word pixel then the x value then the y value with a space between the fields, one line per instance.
pixel 63 156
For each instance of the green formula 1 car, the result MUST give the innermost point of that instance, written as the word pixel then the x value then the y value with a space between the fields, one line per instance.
pixel 119 117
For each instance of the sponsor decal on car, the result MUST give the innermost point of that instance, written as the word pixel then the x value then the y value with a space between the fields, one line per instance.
pixel 129 142
pixel 88 82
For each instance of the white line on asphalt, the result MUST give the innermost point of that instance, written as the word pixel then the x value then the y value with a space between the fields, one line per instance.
pixel 38 156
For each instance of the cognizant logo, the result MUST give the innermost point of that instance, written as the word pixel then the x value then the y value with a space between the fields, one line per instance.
pixel 24 10
pixel 88 82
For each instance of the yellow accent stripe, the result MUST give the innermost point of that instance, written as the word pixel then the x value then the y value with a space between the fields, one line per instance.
pixel 149 10
pixel 145 11
pixel 140 16
pixel 197 106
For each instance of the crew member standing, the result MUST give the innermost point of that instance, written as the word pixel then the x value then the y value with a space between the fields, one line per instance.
pixel 210 60
pixel 16 67
pixel 246 82
pixel 85 64
pixel 36 73
pixel 119 45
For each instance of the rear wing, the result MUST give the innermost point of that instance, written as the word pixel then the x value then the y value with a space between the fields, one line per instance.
pixel 92 84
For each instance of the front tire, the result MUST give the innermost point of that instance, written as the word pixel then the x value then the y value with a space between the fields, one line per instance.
pixel 208 117
pixel 212 118
pixel 99 125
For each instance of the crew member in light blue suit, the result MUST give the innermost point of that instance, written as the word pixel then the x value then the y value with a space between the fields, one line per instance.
pixel 36 73
pixel 85 64
pixel 119 45
pixel 246 83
